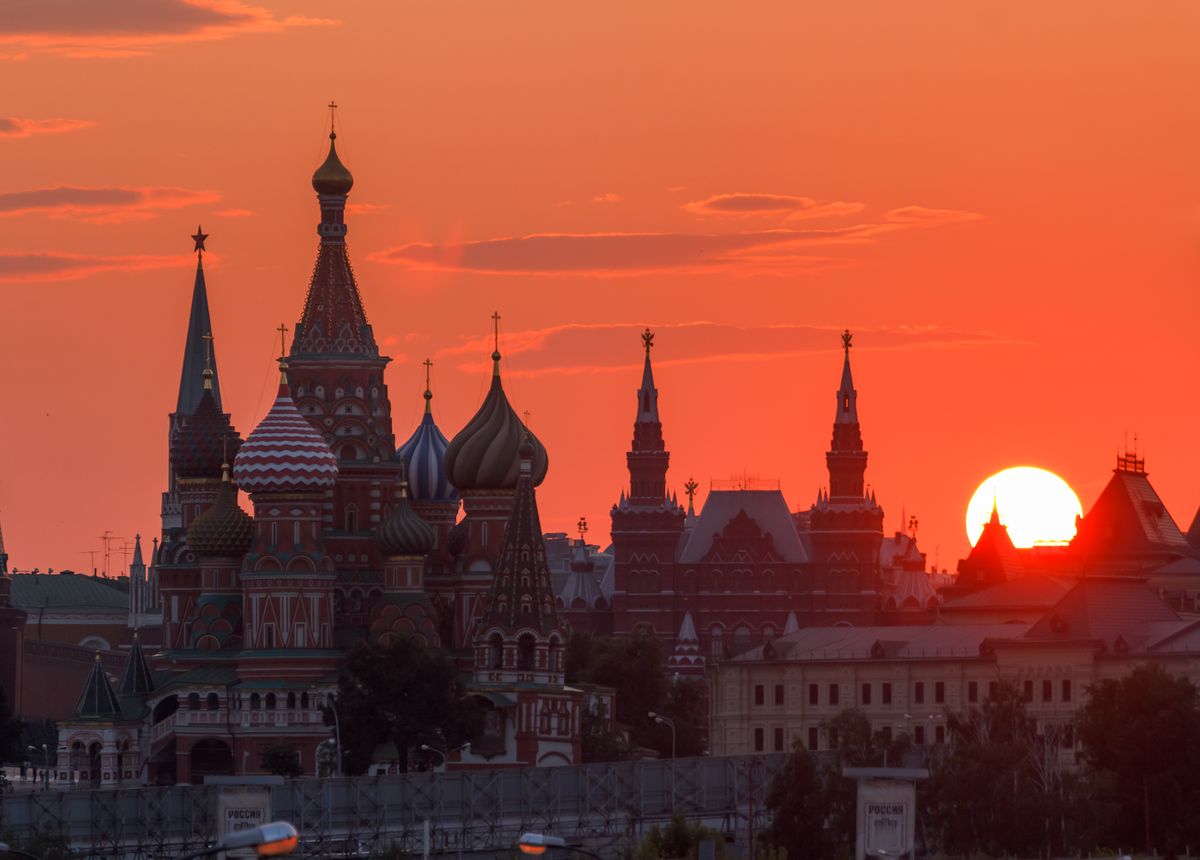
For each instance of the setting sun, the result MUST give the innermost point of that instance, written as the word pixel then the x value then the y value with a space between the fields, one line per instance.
pixel 1036 505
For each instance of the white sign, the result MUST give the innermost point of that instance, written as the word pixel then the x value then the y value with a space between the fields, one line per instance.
pixel 886 818
pixel 241 808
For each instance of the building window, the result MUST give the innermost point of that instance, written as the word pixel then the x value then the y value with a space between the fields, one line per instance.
pixel 919 735
pixel 525 653
pixel 779 694
pixel 1066 689
pixel 887 734
pixel 813 738
pixel 866 694
pixel 814 694
pixel 939 735
pixel 270 701
pixel 833 694
pixel 993 688
pixel 255 701
pixel 759 694
pixel 919 692
pixel 718 643
pixel 1027 691
pixel 193 701
pixel 887 692
pixel 291 701
pixel 778 740
pixel 299 636
pixel 1047 691
pixel 213 702
pixel 939 692
pixel 833 739
pixel 972 691
pixel 758 740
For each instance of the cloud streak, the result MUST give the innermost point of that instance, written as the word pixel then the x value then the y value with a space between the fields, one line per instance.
pixel 743 204
pixel 572 349
pixel 102 205
pixel 24 268
pixel 122 28
pixel 13 126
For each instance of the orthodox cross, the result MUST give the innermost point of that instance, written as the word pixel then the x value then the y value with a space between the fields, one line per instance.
pixel 428 364
pixel 690 488
pixel 283 330
pixel 207 338
pixel 583 528
pixel 199 240
pixel 525 416
pixel 647 339
pixel 846 338
pixel 332 109
pixel 496 323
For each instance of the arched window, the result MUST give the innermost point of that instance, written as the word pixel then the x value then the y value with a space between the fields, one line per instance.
pixel 193 701
pixel 214 702
pixel 270 701
pixel 291 701
pixel 496 649
pixel 526 652
pixel 304 700
pixel 768 632
pixel 741 637
pixel 351 511
pixel 554 654
pixel 717 640
pixel 255 702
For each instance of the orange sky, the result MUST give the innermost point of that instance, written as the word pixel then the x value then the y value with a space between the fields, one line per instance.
pixel 1002 200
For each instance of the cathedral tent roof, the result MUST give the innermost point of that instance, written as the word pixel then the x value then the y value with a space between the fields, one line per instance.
pixel 137 680
pixel 97 701
pixel 766 508
pixel 196 353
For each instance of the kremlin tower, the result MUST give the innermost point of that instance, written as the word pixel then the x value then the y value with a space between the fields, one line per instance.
pixel 646 523
pixel 846 524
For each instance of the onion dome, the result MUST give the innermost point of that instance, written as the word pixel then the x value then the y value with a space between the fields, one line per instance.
pixel 332 177
pixel 485 455
pixel 424 456
pixel 284 453
pixel 224 529
pixel 202 441
pixel 405 533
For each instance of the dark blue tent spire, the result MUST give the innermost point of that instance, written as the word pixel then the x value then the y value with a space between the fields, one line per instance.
pixel 196 349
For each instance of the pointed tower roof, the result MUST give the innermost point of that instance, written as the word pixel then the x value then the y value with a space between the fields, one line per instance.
pixel 333 321
pixel 993 559
pixel 197 346
pixel 647 394
pixel 97 701
pixel 485 455
pixel 522 597
pixel 686 658
pixel 791 625
pixel 847 412
pixel 3 552
pixel 424 457
pixel 137 680
pixel 137 556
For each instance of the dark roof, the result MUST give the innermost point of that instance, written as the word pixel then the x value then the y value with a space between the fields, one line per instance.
pixel 137 680
pixel 196 352
pixel 917 641
pixel 1032 591
pixel 1129 519
pixel 993 559
pixel 97 701
pixel 68 591
pixel 1193 532
pixel 1104 608
pixel 766 508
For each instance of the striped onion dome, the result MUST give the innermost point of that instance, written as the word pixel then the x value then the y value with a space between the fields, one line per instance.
pixel 424 457
pixel 224 529
pixel 284 453
pixel 485 455
pixel 404 532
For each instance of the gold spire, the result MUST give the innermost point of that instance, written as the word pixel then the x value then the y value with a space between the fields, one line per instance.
pixel 428 394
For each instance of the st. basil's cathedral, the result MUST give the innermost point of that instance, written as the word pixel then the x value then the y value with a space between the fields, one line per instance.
pixel 247 618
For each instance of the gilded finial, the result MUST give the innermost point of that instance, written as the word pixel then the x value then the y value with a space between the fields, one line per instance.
pixel 496 348
pixel 846 338
pixel 283 367
pixel 428 393
pixel 583 528
pixel 208 371
pixel 332 116
pixel 647 339
pixel 199 240
pixel 690 489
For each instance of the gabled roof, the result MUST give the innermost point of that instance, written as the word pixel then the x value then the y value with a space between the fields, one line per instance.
pixel 1104 608
pixel 97 701
pixel 766 508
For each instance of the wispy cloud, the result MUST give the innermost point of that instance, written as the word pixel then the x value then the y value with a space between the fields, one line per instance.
pixel 106 205
pixel 607 198
pixel 234 213
pixel 123 28
pixel 744 204
pixel 590 348
pixel 14 126
pixel 68 267
pixel 366 208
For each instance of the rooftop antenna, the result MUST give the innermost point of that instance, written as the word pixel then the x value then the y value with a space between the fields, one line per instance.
pixel 92 554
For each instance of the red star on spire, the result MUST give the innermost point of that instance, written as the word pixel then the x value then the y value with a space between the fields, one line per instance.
pixel 199 240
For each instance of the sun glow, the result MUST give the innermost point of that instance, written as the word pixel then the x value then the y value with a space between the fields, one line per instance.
pixel 1036 505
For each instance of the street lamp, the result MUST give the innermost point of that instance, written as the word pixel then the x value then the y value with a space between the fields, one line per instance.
pixel 337 731
pixel 535 844
pixel 444 755
pixel 268 840
pixel 46 769
pixel 661 720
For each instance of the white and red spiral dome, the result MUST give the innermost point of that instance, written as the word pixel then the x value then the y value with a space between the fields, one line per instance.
pixel 284 453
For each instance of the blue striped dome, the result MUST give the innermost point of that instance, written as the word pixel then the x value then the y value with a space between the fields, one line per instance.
pixel 424 454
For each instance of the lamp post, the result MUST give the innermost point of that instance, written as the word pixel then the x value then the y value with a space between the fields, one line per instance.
pixel 46 763
pixel 445 755
pixel 268 840
pixel 535 844
pixel 337 731
pixel 661 720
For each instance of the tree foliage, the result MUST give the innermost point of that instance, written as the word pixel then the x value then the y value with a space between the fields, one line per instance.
pixel 10 732
pixel 633 665
pixel 679 839
pixel 403 694
pixel 798 802
pixel 1141 738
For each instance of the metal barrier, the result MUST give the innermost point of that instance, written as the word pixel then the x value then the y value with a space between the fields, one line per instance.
pixel 464 811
